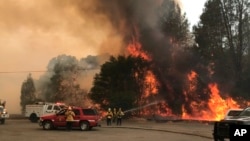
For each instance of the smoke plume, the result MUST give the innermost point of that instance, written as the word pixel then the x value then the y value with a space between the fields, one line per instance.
pixel 33 32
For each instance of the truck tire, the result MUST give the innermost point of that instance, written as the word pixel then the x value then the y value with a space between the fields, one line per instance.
pixel 218 139
pixel 33 117
pixel 215 135
pixel 2 121
pixel 84 125
pixel 47 125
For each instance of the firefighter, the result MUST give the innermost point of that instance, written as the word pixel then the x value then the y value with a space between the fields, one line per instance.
pixel 109 116
pixel 69 118
pixel 120 114
pixel 114 115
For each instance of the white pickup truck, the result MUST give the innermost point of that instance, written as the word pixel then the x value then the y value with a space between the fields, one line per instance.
pixel 231 113
pixel 35 111
pixel 222 128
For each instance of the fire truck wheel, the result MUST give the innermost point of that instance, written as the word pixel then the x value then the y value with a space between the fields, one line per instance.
pixel 84 125
pixel 33 117
pixel 47 125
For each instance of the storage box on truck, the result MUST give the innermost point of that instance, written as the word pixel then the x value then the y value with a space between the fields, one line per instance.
pixel 35 111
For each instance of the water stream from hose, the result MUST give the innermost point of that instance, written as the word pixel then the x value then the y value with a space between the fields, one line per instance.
pixel 142 107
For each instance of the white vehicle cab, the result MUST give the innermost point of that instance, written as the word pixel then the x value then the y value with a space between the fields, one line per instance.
pixel 35 111
pixel 3 112
pixel 232 113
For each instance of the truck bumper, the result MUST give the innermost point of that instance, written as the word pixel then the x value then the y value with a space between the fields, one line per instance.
pixel 4 116
pixel 40 123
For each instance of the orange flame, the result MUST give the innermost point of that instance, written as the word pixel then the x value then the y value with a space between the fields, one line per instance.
pixel 150 82
pixel 134 49
pixel 151 85
pixel 213 109
pixel 219 106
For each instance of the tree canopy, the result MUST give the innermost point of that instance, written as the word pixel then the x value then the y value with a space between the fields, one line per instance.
pixel 223 39
pixel 117 83
pixel 28 90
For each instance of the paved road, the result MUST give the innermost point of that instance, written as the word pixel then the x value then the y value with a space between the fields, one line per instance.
pixel 203 129
pixel 23 130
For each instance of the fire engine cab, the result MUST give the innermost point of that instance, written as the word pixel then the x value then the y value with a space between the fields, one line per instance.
pixel 3 112
pixel 35 111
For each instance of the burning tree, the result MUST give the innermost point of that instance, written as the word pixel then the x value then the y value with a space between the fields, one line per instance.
pixel 223 41
pixel 158 32
pixel 161 70
pixel 117 83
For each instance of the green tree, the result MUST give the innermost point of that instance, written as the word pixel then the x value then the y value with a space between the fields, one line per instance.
pixel 210 36
pixel 209 32
pixel 235 18
pixel 117 83
pixel 222 36
pixel 174 24
pixel 28 91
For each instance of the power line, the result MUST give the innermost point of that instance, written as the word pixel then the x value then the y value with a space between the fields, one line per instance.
pixel 23 71
pixel 40 71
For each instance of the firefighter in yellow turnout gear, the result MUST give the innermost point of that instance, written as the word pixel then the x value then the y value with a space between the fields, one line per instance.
pixel 109 117
pixel 69 118
pixel 120 114
pixel 114 115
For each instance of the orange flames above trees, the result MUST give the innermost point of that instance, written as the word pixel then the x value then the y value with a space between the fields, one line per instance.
pixel 150 81
pixel 213 108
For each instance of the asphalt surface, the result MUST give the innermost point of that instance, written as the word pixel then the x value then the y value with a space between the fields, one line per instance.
pixel 188 127
pixel 24 130
pixel 195 128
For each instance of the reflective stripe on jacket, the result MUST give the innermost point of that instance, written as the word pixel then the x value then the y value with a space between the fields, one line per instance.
pixel 109 115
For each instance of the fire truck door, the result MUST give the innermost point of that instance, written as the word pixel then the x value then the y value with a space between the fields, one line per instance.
pixel 49 109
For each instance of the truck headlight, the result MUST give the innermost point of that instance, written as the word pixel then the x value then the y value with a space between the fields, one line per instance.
pixel 4 111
